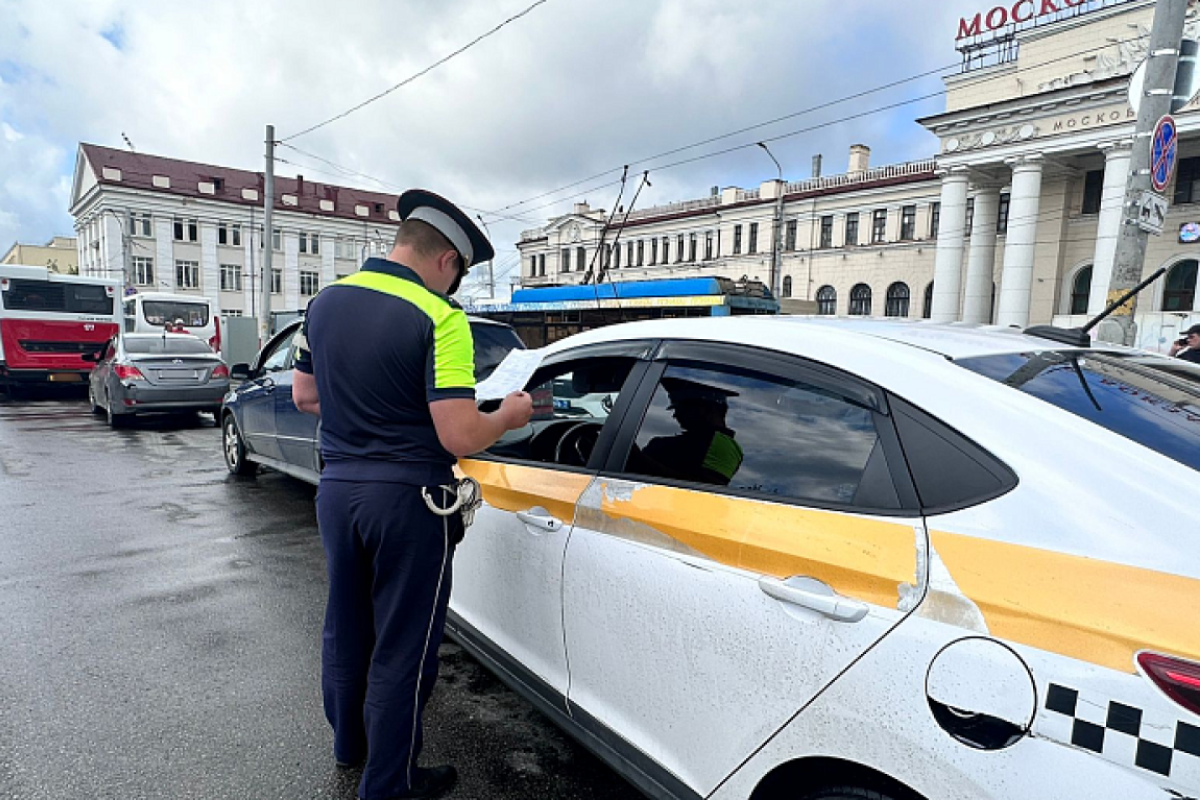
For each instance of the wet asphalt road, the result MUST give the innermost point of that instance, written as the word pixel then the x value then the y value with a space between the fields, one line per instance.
pixel 160 631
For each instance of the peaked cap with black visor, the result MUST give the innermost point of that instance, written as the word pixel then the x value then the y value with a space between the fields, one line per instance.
pixel 445 217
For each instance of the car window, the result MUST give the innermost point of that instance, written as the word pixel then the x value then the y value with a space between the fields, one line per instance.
pixel 755 433
pixel 170 346
pixel 571 403
pixel 492 344
pixel 1114 391
pixel 279 357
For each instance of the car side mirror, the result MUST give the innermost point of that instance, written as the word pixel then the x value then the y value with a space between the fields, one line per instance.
pixel 240 372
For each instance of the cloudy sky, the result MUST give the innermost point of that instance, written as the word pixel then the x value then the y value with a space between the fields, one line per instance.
pixel 570 90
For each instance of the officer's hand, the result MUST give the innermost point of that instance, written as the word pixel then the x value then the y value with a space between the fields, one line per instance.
pixel 515 410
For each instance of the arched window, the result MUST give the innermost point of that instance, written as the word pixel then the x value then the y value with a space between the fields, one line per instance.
pixel 860 300
pixel 1081 287
pixel 897 300
pixel 927 310
pixel 787 285
pixel 1180 291
pixel 826 300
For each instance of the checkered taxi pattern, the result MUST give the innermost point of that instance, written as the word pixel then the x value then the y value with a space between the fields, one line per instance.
pixel 1124 734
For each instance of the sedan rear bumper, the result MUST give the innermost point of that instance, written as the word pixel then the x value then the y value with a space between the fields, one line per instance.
pixel 136 399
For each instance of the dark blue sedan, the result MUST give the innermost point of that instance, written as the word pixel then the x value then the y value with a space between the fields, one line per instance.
pixel 261 425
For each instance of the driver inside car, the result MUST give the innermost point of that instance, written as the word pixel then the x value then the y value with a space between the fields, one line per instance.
pixel 705 450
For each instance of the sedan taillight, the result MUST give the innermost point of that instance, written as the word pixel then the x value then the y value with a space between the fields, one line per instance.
pixel 128 372
pixel 1179 679
pixel 220 371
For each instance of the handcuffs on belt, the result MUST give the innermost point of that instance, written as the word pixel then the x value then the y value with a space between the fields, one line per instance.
pixel 468 497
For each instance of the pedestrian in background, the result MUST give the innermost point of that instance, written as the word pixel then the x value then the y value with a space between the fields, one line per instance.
pixel 387 362
pixel 1188 348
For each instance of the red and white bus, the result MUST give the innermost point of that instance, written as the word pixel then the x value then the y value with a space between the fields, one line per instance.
pixel 49 321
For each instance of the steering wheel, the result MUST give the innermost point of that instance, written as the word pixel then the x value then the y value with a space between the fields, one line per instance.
pixel 543 445
pixel 576 445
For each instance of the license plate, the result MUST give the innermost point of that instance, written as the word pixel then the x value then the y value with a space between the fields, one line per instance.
pixel 65 377
pixel 177 374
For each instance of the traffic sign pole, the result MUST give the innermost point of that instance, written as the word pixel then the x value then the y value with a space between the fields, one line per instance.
pixel 1155 153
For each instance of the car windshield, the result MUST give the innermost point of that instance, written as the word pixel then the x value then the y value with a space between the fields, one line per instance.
pixel 492 343
pixel 160 312
pixel 169 345
pixel 1127 395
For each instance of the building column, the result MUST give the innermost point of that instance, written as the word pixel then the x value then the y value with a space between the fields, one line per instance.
pixel 1117 157
pixel 1017 279
pixel 981 258
pixel 947 265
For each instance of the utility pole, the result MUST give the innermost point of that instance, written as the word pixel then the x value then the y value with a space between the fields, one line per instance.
pixel 264 324
pixel 1156 102
pixel 491 272
pixel 777 229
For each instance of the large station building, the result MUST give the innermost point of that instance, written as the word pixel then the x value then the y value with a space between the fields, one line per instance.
pixel 1013 220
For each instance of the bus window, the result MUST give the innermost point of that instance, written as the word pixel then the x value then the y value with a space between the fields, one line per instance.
pixel 160 312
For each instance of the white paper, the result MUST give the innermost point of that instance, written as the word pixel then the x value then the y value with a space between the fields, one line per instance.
pixel 511 376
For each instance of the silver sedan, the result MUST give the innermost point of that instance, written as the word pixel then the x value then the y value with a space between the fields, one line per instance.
pixel 138 373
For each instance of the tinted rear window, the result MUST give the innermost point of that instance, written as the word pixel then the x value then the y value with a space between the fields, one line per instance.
pixel 492 343
pixel 1132 399
pixel 170 346
pixel 75 298
pixel 160 312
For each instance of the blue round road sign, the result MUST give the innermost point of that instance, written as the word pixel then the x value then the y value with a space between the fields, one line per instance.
pixel 1164 151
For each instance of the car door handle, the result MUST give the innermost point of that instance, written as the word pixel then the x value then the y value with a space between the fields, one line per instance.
pixel 540 520
pixel 268 385
pixel 812 594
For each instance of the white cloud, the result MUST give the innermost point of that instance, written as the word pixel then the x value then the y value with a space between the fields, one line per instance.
pixel 568 91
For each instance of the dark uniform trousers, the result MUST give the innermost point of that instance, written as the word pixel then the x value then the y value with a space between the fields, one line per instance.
pixel 389 559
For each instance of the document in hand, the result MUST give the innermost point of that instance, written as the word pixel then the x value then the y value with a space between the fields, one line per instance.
pixel 511 376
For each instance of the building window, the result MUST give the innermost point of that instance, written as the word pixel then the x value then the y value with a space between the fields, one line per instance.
pixel 276 281
pixel 186 230
pixel 310 282
pixel 616 256
pixel 852 229
pixel 789 236
pixel 143 271
pixel 580 258
pixel 303 242
pixel 345 248
pixel 970 214
pixel 542 265
pixel 229 234
pixel 737 239
pixel 187 274
pixel 708 245
pixel 826 300
pixel 935 218
pixel 1093 188
pixel 231 312
pixel 1081 287
pixel 908 223
pixel 564 260
pixel 629 254
pixel 653 252
pixel 533 266
pixel 276 239
pixel 310 243
pixel 231 278
pixel 692 247
pixel 927 310
pixel 787 285
pixel 752 245
pixel 826 240
pixel 666 254
pixel 1002 214
pixel 1187 184
pixel 1180 290
pixel 139 224
pixel 679 248
pixel 878 226
pixel 896 304
pixel 860 300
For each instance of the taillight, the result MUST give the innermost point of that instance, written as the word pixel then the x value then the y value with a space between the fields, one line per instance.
pixel 1179 679
pixel 221 371
pixel 128 372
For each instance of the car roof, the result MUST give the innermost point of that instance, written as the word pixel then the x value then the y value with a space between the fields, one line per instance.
pixel 788 333
pixel 171 335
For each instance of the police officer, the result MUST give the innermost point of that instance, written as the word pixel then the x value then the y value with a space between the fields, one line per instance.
pixel 387 362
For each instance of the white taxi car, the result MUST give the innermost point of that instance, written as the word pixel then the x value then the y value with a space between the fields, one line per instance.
pixel 851 559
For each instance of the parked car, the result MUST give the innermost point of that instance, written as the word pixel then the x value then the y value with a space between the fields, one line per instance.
pixel 848 559
pixel 140 373
pixel 261 425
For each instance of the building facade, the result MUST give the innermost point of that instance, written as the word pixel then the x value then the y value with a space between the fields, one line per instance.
pixel 1014 220
pixel 168 225
pixel 59 255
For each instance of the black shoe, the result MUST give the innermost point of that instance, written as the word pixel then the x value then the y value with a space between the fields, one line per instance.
pixel 430 782
pixel 355 764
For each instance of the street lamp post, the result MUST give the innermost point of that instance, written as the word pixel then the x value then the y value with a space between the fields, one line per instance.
pixel 777 227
